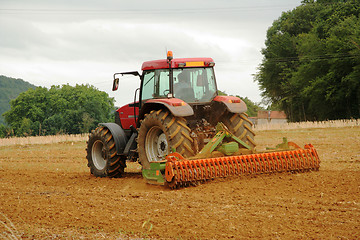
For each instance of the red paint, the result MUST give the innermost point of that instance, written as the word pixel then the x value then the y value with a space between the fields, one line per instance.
pixel 227 99
pixel 163 63
pixel 126 114
pixel 169 101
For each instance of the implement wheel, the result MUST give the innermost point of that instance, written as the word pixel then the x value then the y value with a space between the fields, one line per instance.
pixel 101 154
pixel 161 133
pixel 240 125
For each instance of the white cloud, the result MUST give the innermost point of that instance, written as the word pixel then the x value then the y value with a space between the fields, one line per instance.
pixel 59 42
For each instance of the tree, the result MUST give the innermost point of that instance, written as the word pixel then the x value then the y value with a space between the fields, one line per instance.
pixel 312 60
pixel 60 109
pixel 5 131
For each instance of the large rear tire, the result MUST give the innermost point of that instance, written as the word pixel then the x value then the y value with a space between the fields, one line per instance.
pixel 240 125
pixel 103 160
pixel 160 134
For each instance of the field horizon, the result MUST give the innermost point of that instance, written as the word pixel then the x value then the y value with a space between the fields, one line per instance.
pixel 264 127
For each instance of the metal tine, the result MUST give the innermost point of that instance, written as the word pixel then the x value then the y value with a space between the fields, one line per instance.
pixel 207 169
pixel 313 164
pixel 191 171
pixel 237 170
pixel 287 161
pixel 261 161
pixel 188 171
pixel 301 160
pixel 305 154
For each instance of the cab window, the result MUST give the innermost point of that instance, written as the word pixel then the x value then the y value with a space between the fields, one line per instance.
pixel 155 84
pixel 194 84
pixel 148 85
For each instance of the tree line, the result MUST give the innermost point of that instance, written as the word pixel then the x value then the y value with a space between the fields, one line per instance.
pixel 58 110
pixel 311 64
pixel 64 110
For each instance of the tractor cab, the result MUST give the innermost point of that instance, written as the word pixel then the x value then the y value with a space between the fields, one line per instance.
pixel 179 83
pixel 192 85
pixel 189 79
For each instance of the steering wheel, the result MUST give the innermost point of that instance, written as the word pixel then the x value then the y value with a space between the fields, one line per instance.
pixel 167 90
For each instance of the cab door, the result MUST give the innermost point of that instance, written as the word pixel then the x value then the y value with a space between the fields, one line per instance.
pixel 155 84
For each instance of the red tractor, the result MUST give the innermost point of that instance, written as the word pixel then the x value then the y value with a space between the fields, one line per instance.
pixel 178 112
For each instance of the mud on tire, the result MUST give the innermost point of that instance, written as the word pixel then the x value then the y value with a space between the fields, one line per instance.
pixel 161 133
pixel 240 125
pixel 101 154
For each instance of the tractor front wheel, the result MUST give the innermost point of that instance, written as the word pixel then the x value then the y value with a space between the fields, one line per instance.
pixel 101 154
pixel 160 134
pixel 240 125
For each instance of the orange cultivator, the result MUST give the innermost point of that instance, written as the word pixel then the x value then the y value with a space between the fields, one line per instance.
pixel 180 172
pixel 176 171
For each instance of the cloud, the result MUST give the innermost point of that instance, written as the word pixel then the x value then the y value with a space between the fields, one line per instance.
pixel 115 41
pixel 63 41
pixel 20 36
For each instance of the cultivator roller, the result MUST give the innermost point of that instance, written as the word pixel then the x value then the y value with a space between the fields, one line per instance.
pixel 181 172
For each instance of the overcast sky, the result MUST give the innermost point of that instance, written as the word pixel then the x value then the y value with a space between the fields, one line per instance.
pixel 86 41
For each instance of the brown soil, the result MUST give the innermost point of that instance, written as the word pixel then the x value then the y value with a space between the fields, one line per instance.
pixel 47 192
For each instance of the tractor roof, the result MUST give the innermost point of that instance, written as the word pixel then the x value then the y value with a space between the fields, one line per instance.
pixel 178 63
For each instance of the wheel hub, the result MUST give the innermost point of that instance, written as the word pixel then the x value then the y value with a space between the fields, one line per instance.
pixel 162 144
pixel 156 144
pixel 98 153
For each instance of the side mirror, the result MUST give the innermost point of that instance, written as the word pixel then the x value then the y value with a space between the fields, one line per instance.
pixel 115 84
pixel 116 80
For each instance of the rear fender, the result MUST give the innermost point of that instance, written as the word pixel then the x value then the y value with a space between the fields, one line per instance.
pixel 176 106
pixel 232 104
pixel 119 136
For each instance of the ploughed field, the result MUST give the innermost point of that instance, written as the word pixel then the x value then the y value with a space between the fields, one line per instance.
pixel 46 191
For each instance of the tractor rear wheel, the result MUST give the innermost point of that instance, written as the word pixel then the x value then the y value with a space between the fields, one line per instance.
pixel 240 125
pixel 101 154
pixel 160 134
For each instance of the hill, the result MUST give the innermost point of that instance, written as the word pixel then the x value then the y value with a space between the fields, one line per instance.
pixel 10 88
